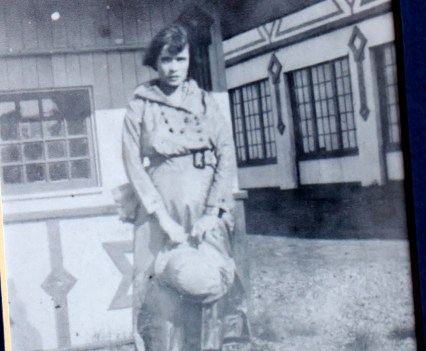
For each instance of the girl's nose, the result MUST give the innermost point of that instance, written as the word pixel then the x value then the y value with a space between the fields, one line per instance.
pixel 174 65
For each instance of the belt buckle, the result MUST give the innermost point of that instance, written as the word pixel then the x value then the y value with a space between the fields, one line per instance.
pixel 198 159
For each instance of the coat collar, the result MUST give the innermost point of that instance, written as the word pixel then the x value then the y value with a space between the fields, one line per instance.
pixel 192 95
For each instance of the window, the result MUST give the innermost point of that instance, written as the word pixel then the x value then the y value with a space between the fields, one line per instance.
pixel 388 95
pixel 253 124
pixel 323 110
pixel 45 141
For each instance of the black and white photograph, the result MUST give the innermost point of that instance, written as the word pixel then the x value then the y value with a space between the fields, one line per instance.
pixel 212 175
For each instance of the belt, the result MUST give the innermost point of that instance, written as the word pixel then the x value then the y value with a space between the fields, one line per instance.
pixel 200 158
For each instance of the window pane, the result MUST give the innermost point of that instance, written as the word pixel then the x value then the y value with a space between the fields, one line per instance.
pixel 78 147
pixel 76 126
pixel 56 149
pixel 54 128
pixel 49 107
pixel 345 140
pixel 35 172
pixel 11 153
pixel 34 151
pixel 80 169
pixel 352 138
pixel 58 171
pixel 29 109
pixel 9 128
pixel 31 130
pixel 13 175
pixel 7 108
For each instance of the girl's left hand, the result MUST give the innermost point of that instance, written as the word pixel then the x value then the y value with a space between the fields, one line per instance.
pixel 204 225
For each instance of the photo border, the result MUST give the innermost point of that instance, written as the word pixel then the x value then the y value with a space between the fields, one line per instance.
pixel 411 28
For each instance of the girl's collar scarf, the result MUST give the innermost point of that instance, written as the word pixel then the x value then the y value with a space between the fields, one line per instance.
pixel 192 95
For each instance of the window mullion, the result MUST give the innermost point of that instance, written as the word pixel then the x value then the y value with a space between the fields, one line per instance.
pixel 314 112
pixel 244 126
pixel 233 120
pixel 261 121
pixel 43 138
pixel 336 106
pixel 24 164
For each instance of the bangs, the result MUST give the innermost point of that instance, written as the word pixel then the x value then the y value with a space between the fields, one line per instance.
pixel 173 38
pixel 174 48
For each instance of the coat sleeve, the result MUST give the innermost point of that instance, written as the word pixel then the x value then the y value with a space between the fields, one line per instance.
pixel 220 195
pixel 146 193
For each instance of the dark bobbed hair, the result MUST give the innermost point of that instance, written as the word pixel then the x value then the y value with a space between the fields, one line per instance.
pixel 175 37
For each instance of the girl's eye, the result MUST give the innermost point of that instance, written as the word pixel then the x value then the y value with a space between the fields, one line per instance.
pixel 166 59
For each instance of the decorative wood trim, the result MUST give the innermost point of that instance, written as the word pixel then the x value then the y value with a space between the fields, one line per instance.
pixel 274 70
pixel 58 284
pixel 117 252
pixel 337 12
pixel 108 210
pixel 95 346
pixel 75 51
pixel 311 33
pixel 357 44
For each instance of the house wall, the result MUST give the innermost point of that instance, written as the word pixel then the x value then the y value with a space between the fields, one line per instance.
pixel 314 35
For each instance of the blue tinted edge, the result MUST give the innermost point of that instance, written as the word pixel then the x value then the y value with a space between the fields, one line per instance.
pixel 411 28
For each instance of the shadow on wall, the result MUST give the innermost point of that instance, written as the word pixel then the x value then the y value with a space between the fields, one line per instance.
pixel 346 211
pixel 25 336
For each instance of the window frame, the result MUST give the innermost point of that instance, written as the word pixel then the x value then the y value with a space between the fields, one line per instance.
pixel 381 81
pixel 93 157
pixel 262 115
pixel 319 154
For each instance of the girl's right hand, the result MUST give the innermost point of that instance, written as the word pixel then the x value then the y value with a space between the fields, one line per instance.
pixel 173 229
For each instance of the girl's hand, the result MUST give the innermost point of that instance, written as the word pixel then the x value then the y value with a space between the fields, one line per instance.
pixel 173 229
pixel 204 225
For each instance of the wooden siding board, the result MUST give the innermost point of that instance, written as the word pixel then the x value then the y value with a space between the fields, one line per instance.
pixel 116 84
pixel 41 13
pixel 130 25
pixel 59 71
pixel 88 26
pixel 115 18
pixel 30 74
pixel 3 28
pixel 13 27
pixel 128 63
pixel 101 23
pixel 72 66
pixel 45 72
pixel 86 69
pixel 4 81
pixel 143 73
pixel 14 73
pixel 72 21
pixel 143 24
pixel 29 29
pixel 170 10
pixel 59 29
pixel 101 86
pixel 156 17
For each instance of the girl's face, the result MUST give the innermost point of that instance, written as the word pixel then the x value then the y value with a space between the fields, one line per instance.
pixel 173 68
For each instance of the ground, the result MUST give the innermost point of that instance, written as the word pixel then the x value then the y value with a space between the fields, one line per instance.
pixel 352 295
pixel 330 295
